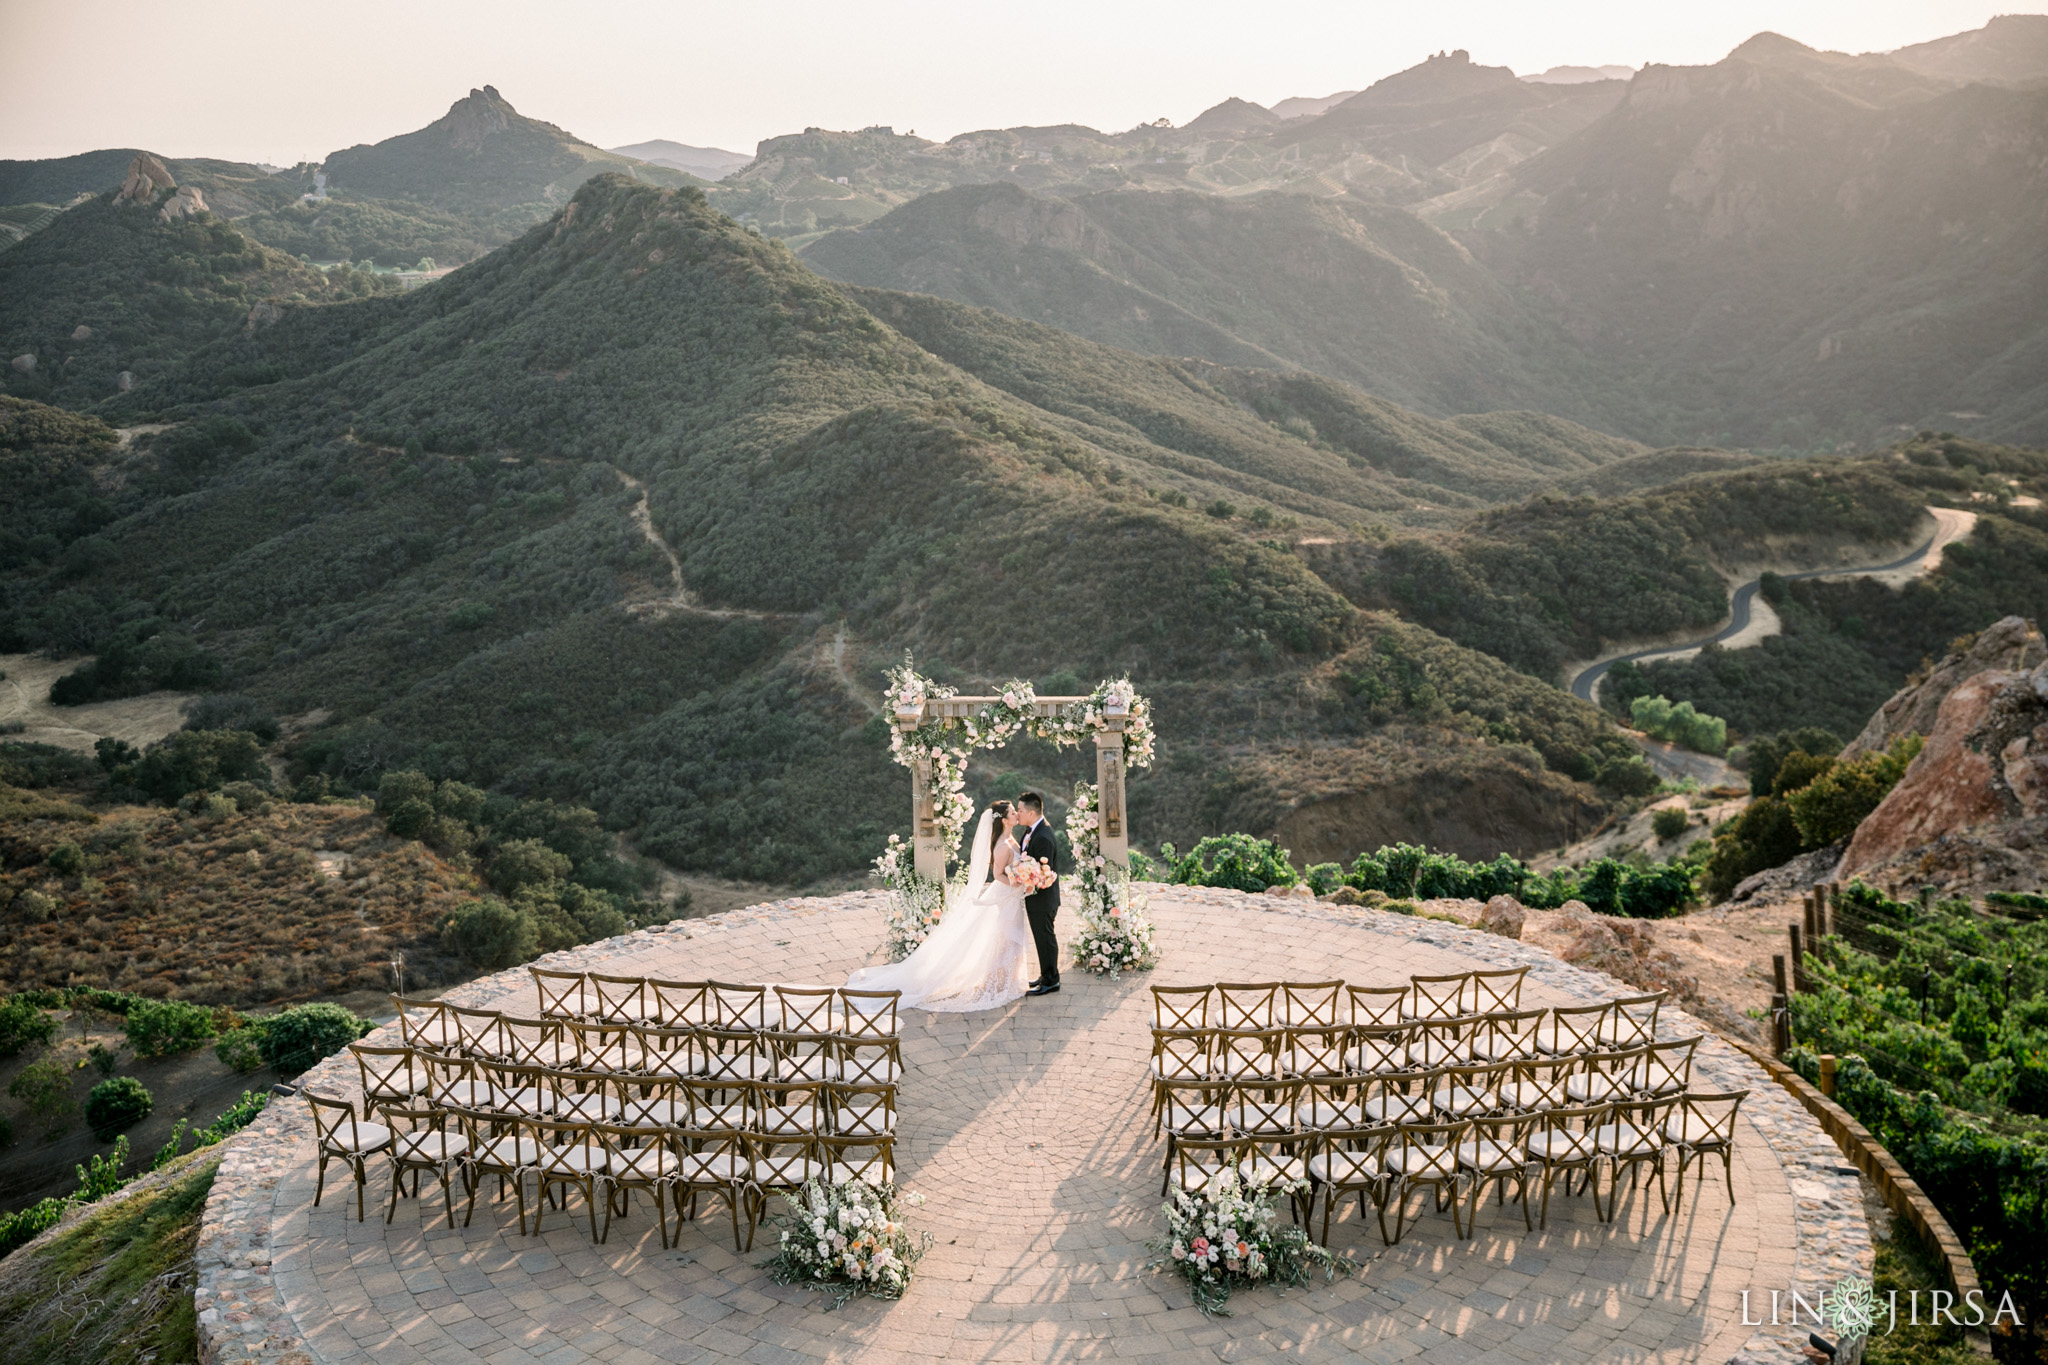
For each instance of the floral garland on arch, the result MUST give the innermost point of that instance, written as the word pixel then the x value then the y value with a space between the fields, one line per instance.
pixel 1116 930
pixel 946 742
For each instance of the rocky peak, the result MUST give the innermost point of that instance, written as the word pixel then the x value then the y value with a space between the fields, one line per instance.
pixel 472 120
pixel 2012 644
pixel 146 176
pixel 186 203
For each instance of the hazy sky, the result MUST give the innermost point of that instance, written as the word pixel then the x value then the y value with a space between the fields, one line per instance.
pixel 285 81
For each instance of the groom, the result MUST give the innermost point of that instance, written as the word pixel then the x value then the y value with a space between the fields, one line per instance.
pixel 1041 907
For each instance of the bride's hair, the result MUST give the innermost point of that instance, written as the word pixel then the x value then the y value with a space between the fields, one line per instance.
pixel 1000 810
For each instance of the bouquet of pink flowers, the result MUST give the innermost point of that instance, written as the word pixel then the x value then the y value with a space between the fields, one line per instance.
pixel 1033 874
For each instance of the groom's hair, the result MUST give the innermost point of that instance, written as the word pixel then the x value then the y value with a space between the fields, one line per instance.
pixel 1032 801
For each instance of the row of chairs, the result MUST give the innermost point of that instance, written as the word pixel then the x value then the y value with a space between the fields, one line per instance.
pixel 1387 1163
pixel 630 1050
pixel 1343 1054
pixel 1280 1004
pixel 593 997
pixel 604 1160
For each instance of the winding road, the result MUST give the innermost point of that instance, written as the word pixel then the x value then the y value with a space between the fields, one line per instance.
pixel 1950 528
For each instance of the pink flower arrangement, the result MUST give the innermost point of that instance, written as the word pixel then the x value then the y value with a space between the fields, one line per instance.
pixel 1033 874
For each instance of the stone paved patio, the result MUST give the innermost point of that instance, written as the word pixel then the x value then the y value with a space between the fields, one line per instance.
pixel 1027 1130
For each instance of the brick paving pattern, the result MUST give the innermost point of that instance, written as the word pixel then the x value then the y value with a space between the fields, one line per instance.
pixel 1027 1129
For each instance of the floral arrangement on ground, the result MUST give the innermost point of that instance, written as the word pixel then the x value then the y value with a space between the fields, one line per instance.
pixel 916 904
pixel 1116 937
pixel 1229 1236
pixel 846 1240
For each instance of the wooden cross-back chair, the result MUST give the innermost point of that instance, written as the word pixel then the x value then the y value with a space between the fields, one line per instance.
pixel 869 1014
pixel 1316 1051
pixel 1705 1126
pixel 497 1146
pixel 1247 1005
pixel 1507 1035
pixel 1633 1136
pixel 1631 1020
pixel 856 1110
pixel 715 1161
pixel 1604 1077
pixel 424 1024
pixel 563 995
pixel 1566 1140
pixel 848 1157
pixel 807 1009
pixel 738 1006
pixel 1181 1007
pixel 638 1157
pixel 1248 1055
pixel 1377 1005
pixel 1424 1156
pixel 1495 1153
pixel 390 1074
pixel 1440 997
pixel 620 999
pixel 341 1136
pixel 1666 1068
pixel 1377 1051
pixel 1572 1029
pixel 1355 1162
pixel 479 1033
pixel 1191 1109
pixel 1306 1004
pixel 1498 991
pixel 421 1142
pixel 681 1004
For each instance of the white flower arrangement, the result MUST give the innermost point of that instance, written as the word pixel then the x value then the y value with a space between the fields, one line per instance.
pixel 916 904
pixel 1230 1236
pixel 1116 930
pixel 846 1240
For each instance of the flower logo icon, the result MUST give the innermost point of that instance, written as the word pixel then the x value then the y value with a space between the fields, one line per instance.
pixel 1852 1310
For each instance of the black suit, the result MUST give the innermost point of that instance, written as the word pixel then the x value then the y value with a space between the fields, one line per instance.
pixel 1042 907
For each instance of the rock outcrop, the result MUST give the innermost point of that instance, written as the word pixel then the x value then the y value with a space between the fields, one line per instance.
pixel 1972 810
pixel 146 176
pixel 24 363
pixel 2011 644
pixel 1503 915
pixel 187 202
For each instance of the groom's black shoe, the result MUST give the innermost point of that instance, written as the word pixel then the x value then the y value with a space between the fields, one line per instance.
pixel 1046 988
pixel 1033 984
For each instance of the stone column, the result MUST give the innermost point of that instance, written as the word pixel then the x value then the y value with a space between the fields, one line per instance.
pixel 928 848
pixel 928 854
pixel 1114 819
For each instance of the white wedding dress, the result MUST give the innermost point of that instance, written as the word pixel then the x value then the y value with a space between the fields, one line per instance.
pixel 978 956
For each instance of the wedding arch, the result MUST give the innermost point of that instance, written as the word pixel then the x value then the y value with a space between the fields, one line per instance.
pixel 936 729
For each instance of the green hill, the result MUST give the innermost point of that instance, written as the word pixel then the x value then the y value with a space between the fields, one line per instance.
pixel 54 180
pixel 411 513
pixel 487 161
pixel 112 288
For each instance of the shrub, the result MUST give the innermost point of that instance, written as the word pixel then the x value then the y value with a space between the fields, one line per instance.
pixel 1237 861
pixel 1323 878
pixel 492 934
pixel 1835 802
pixel 521 863
pixel 233 1119
pixel 19 1229
pixel 21 1024
pixel 157 1028
pixel 241 1049
pixel 1763 836
pixel 36 907
pixel 199 760
pixel 102 1176
pixel 116 1103
pixel 44 1089
pixel 1680 724
pixel 67 859
pixel 230 711
pixel 1670 822
pixel 296 1038
pixel 1766 752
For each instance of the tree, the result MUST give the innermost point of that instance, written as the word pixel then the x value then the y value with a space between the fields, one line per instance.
pixel 492 934
pixel 200 760
pixel 116 1103
pixel 296 1038
pixel 44 1089
pixel 158 1028
pixel 522 863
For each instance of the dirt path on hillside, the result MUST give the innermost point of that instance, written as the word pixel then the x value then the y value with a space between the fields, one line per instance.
pixel 679 598
pixel 25 700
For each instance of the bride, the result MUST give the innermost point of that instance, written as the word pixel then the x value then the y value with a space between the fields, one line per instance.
pixel 979 955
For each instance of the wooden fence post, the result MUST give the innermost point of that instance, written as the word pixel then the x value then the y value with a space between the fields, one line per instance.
pixel 1798 959
pixel 1827 1074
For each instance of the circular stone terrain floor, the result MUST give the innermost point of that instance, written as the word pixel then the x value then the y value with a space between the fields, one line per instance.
pixel 1026 1128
